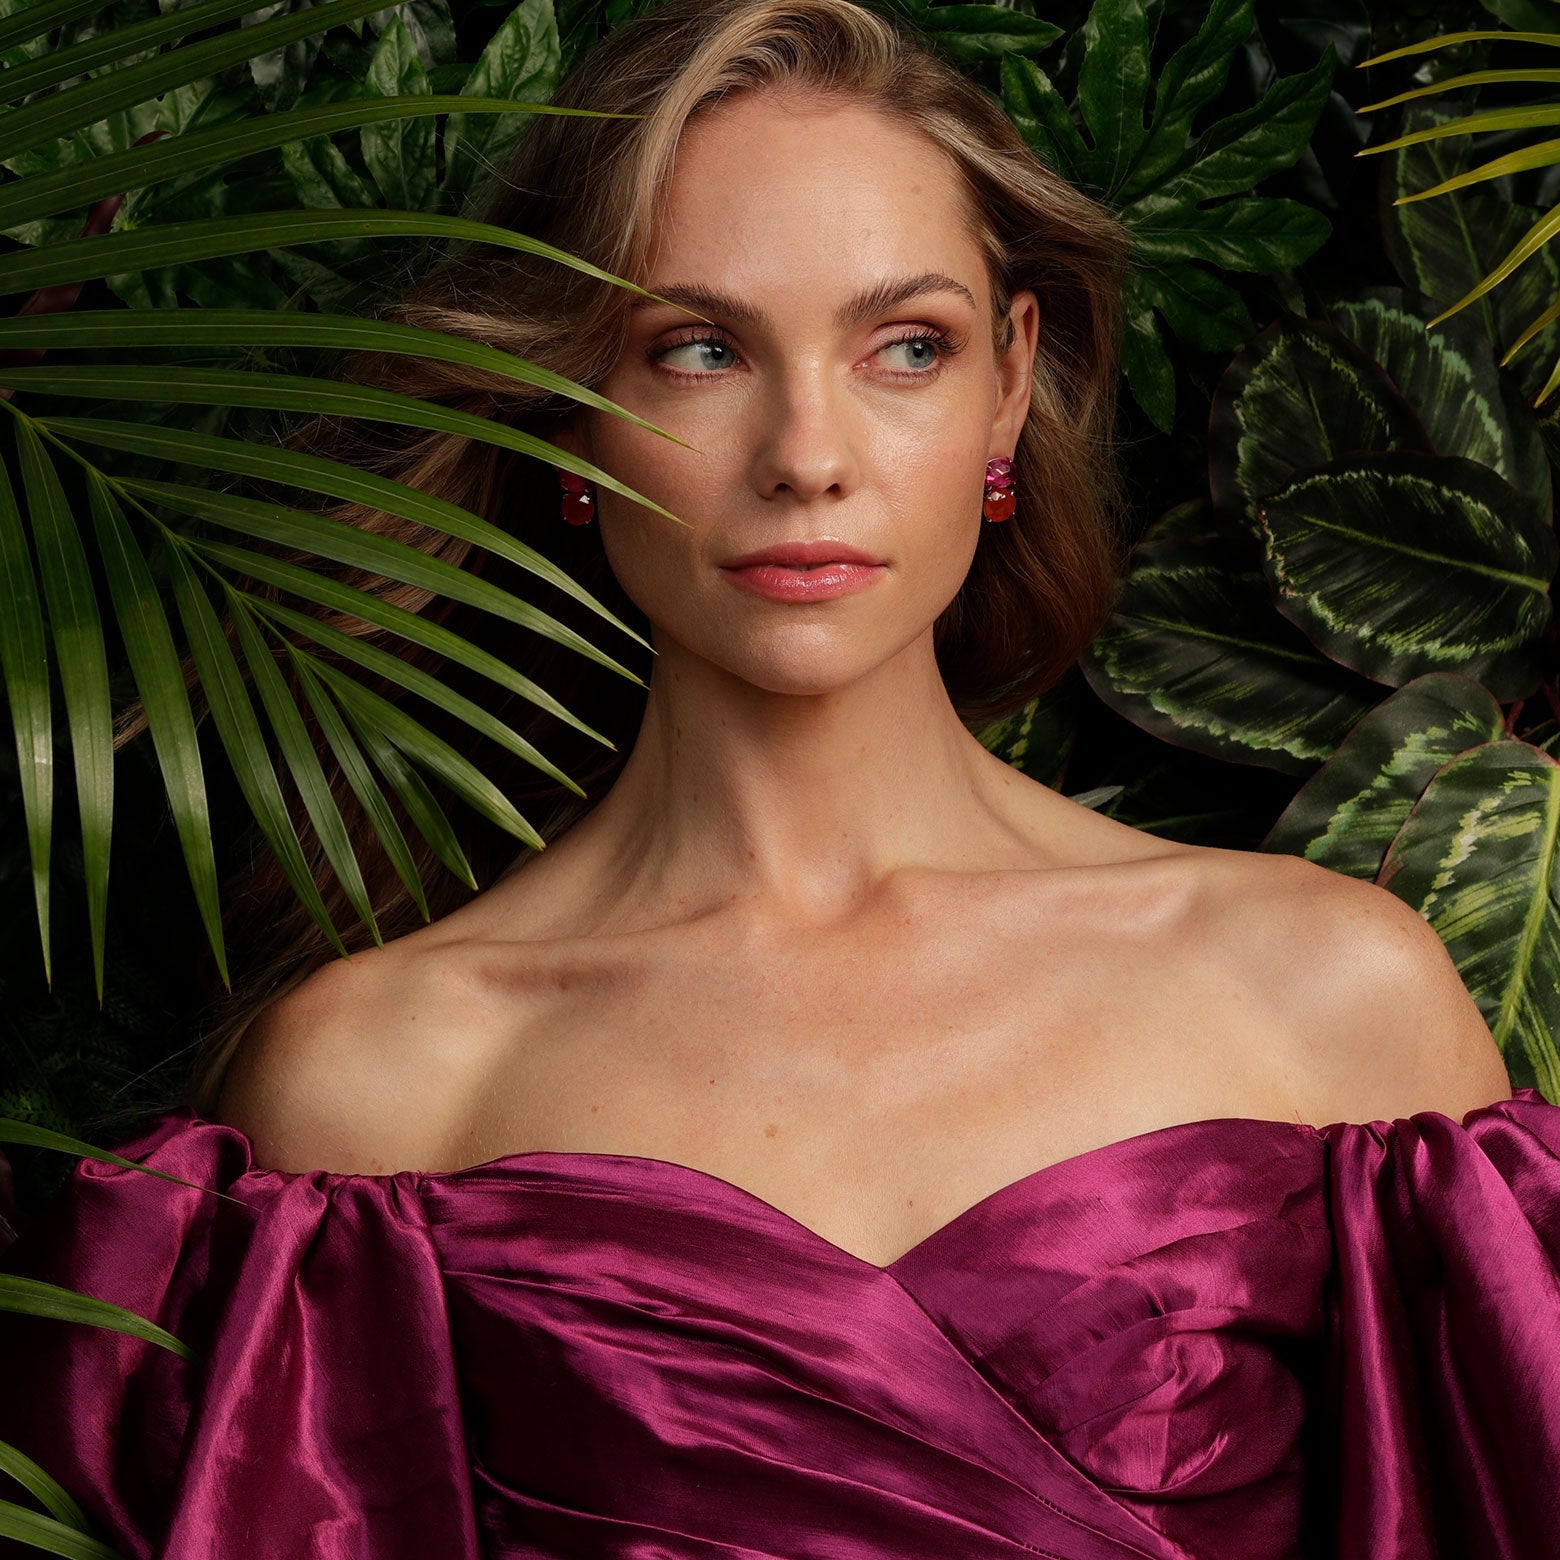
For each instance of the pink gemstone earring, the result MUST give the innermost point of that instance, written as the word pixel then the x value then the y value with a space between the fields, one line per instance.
pixel 1000 501
pixel 579 499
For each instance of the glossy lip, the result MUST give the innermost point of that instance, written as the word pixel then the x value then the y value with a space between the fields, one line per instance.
pixel 798 555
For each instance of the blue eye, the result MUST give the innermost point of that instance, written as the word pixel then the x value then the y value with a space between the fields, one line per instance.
pixel 935 348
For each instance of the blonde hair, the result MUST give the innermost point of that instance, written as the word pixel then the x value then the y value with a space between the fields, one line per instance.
pixel 1039 589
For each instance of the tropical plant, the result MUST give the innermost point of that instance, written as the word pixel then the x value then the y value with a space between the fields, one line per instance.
pixel 1543 154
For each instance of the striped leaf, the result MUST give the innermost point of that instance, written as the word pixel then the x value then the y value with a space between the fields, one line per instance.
pixel 1479 858
pixel 1449 377
pixel 1346 815
pixel 1195 654
pixel 1297 395
pixel 1400 563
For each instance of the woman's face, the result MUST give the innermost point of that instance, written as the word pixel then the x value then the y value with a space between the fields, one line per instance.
pixel 815 410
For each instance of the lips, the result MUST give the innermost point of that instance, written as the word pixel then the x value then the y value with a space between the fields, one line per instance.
pixel 804 555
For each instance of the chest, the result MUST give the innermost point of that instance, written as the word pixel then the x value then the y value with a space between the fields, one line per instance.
pixel 873 1088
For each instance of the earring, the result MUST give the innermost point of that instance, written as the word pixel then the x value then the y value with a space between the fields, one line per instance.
pixel 1000 501
pixel 579 500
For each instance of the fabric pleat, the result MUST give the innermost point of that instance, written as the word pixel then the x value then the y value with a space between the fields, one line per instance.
pixel 1231 1339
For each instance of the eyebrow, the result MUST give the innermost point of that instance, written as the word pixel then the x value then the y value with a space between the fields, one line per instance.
pixel 873 301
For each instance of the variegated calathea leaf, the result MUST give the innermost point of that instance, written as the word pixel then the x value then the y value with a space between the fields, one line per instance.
pixel 1346 815
pixel 1038 739
pixel 1195 654
pixel 1467 404
pixel 1399 563
pixel 1479 857
pixel 1297 395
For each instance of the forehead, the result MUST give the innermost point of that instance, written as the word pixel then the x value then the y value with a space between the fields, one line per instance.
pixel 809 198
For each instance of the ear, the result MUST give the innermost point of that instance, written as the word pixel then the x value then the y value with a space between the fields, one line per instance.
pixel 1015 370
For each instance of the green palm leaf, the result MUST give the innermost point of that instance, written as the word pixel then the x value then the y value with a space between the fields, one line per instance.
pixel 137 167
pixel 1502 119
pixel 83 666
pixel 52 1537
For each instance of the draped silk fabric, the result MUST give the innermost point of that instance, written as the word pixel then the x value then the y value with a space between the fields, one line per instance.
pixel 1225 1340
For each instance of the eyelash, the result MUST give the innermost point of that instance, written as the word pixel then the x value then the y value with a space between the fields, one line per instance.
pixel 941 339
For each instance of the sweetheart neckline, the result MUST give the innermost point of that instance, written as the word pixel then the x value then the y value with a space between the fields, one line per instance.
pixel 521 1159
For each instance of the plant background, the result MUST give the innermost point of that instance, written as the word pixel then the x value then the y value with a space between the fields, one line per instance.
pixel 1261 623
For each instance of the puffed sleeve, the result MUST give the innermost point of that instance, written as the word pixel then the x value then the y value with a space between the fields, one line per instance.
pixel 1443 1392
pixel 321 1419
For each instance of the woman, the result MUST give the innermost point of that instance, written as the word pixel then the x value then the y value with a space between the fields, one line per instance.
pixel 833 1143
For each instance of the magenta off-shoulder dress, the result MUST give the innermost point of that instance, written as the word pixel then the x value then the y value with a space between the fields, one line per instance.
pixel 1225 1340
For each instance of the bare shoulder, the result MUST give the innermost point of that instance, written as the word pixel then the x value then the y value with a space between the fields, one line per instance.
pixel 355 1070
pixel 1377 1018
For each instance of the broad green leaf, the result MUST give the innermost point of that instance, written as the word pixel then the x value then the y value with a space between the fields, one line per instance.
pixel 1147 365
pixel 1257 234
pixel 1193 78
pixel 159 680
pixel 420 803
pixel 400 152
pixel 1202 310
pixel 77 632
pixel 1296 396
pixel 1195 654
pixel 412 626
pixel 78 184
pixel 1449 377
pixel 1477 857
pixel 417 742
pixel 50 1536
pixel 521 61
pixel 1346 815
pixel 323 180
pixel 1040 114
pixel 1113 86
pixel 317 474
pixel 348 544
pixel 228 699
pixel 361 778
pixel 1232 155
pixel 33 1297
pixel 24 663
pixel 300 393
pixel 965 34
pixel 76 107
pixel 1400 563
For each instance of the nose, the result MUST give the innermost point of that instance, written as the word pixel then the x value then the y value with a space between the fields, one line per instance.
pixel 805 444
